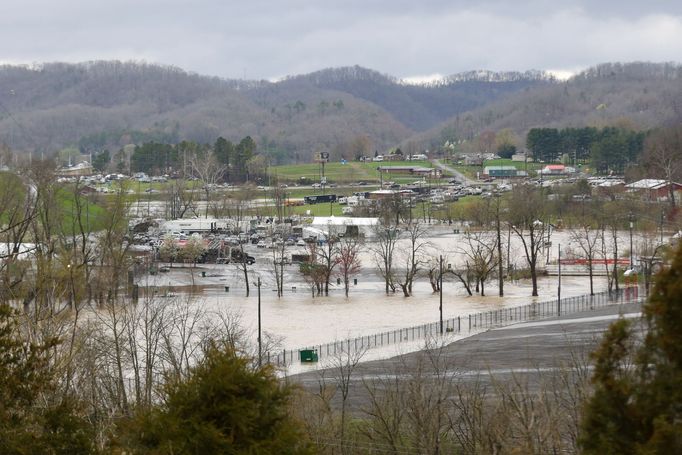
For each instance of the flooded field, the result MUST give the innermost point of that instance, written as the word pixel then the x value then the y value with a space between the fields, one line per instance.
pixel 299 319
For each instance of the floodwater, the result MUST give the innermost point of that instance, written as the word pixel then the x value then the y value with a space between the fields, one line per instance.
pixel 298 319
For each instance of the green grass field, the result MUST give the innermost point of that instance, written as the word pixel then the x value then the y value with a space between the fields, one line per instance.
pixel 340 173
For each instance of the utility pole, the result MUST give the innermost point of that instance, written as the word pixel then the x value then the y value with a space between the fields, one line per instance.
pixel 559 290
pixel 260 341
pixel 440 287
pixel 631 217
pixel 499 246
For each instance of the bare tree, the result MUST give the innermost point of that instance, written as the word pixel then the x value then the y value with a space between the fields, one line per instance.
pixel 413 257
pixel 17 211
pixel 526 211
pixel 612 219
pixel 587 238
pixel 182 198
pixel 343 365
pixel 663 155
pixel 241 261
pixel 383 250
pixel 313 272
pixel 324 258
pixel 210 171
pixel 279 261
pixel 349 259
pixel 649 248
pixel 480 251
pixel 433 271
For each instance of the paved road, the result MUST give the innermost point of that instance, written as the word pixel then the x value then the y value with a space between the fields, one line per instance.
pixel 458 175
pixel 530 348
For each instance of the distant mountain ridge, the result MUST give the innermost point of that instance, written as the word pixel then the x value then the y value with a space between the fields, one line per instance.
pixel 638 95
pixel 109 104
pixel 421 106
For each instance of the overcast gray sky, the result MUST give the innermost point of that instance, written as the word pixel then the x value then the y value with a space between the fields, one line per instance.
pixel 260 39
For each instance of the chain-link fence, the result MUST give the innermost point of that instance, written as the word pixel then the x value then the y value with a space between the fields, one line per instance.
pixel 465 325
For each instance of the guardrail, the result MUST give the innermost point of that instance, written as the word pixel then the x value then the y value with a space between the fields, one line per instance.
pixel 467 325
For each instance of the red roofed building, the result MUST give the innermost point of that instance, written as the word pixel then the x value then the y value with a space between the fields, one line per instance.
pixel 557 169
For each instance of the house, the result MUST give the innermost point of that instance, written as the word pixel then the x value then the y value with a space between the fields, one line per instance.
pixel 557 169
pixel 503 172
pixel 473 160
pixel 655 189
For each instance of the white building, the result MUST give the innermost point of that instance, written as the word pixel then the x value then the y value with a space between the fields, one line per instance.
pixel 340 225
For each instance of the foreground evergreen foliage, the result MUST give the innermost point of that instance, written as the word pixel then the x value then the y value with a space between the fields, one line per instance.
pixel 636 407
pixel 35 416
pixel 226 406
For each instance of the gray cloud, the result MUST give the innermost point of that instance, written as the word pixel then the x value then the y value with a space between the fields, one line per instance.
pixel 268 39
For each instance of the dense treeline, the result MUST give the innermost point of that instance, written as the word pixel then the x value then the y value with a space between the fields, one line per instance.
pixel 234 162
pixel 608 149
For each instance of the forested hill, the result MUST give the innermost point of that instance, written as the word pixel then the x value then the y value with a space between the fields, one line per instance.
pixel 109 104
pixel 633 95
pixel 101 105
pixel 419 107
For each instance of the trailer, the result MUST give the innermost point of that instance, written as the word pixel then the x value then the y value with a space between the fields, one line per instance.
pixel 320 199
pixel 196 225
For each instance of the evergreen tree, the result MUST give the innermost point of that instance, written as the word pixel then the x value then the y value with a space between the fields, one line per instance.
pixel 225 406
pixel 243 153
pixel 101 160
pixel 637 403
pixel 223 151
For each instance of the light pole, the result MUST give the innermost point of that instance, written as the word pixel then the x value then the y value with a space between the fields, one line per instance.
pixel 631 217
pixel 559 290
pixel 260 341
pixel 440 287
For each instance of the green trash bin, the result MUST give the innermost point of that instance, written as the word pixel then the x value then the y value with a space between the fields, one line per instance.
pixel 203 274
pixel 308 355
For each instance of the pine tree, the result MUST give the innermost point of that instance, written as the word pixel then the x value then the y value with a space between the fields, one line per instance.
pixel 636 406
pixel 226 405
